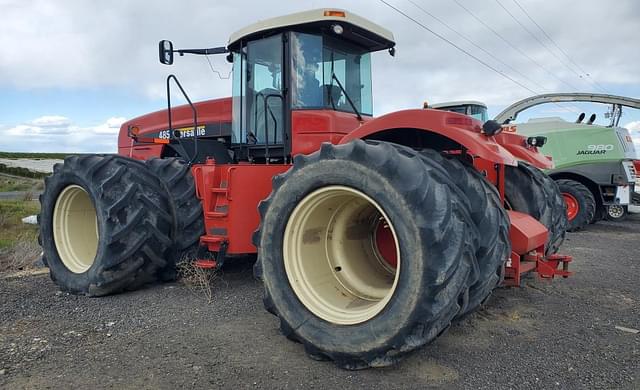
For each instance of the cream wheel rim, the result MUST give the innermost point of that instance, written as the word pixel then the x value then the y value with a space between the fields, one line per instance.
pixel 331 258
pixel 75 229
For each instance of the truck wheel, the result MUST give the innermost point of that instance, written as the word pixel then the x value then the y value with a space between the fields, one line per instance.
pixel 105 225
pixel 491 220
pixel 187 209
pixel 364 251
pixel 581 205
pixel 529 190
pixel 616 212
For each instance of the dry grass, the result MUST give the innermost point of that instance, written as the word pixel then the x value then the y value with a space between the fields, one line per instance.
pixel 18 241
pixel 4 221
pixel 14 183
pixel 198 280
pixel 12 229
pixel 20 256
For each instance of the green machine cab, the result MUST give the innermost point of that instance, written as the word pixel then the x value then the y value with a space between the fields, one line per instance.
pixel 593 164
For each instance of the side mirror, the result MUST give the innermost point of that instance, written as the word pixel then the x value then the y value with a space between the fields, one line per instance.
pixel 165 52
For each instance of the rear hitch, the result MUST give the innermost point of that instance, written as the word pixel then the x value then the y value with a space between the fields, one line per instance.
pixel 547 267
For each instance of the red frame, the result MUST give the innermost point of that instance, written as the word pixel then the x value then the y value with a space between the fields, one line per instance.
pixel 230 194
pixel 528 238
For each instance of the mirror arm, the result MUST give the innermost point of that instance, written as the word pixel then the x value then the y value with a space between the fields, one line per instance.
pixel 209 51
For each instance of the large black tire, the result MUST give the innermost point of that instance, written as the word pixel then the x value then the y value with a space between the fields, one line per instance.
pixel 130 238
pixel 187 209
pixel 435 237
pixel 492 221
pixel 586 203
pixel 530 191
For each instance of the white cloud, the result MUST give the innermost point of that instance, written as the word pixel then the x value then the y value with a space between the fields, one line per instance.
pixel 111 126
pixel 634 129
pixel 78 45
pixel 51 121
pixel 72 43
pixel 60 134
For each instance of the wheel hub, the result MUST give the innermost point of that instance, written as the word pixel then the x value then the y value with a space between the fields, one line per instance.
pixel 573 207
pixel 615 211
pixel 75 229
pixel 341 255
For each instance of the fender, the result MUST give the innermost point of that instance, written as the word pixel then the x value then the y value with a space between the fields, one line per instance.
pixel 517 145
pixel 601 173
pixel 458 128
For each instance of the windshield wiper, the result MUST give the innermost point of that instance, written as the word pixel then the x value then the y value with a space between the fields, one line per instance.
pixel 346 95
pixel 355 110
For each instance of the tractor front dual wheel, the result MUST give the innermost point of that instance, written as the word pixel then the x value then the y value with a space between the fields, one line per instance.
pixel 364 252
pixel 491 220
pixel 531 191
pixel 105 225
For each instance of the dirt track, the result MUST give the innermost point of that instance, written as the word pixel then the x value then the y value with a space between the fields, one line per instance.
pixel 547 335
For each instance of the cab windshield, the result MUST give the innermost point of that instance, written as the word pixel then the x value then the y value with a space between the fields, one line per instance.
pixel 478 112
pixel 323 73
pixel 327 73
pixel 473 110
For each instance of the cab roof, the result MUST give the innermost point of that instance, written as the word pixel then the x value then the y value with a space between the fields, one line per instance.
pixel 357 29
pixel 459 103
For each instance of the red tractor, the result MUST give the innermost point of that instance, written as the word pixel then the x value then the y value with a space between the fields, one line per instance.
pixel 372 234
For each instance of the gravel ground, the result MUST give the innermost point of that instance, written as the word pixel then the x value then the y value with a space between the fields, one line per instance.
pixel 560 334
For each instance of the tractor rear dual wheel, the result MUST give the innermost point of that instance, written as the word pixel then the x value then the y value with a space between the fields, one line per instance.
pixel 105 225
pixel 365 251
pixel 179 183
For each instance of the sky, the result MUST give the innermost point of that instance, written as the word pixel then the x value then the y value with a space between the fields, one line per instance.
pixel 71 71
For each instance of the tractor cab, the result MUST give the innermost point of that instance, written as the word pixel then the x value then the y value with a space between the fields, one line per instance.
pixel 298 80
pixel 475 109
pixel 304 73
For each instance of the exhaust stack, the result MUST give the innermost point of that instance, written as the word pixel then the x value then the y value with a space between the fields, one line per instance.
pixel 592 119
pixel 580 118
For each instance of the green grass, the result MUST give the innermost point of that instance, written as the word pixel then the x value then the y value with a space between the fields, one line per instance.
pixel 36 156
pixel 12 183
pixel 12 229
pixel 24 172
